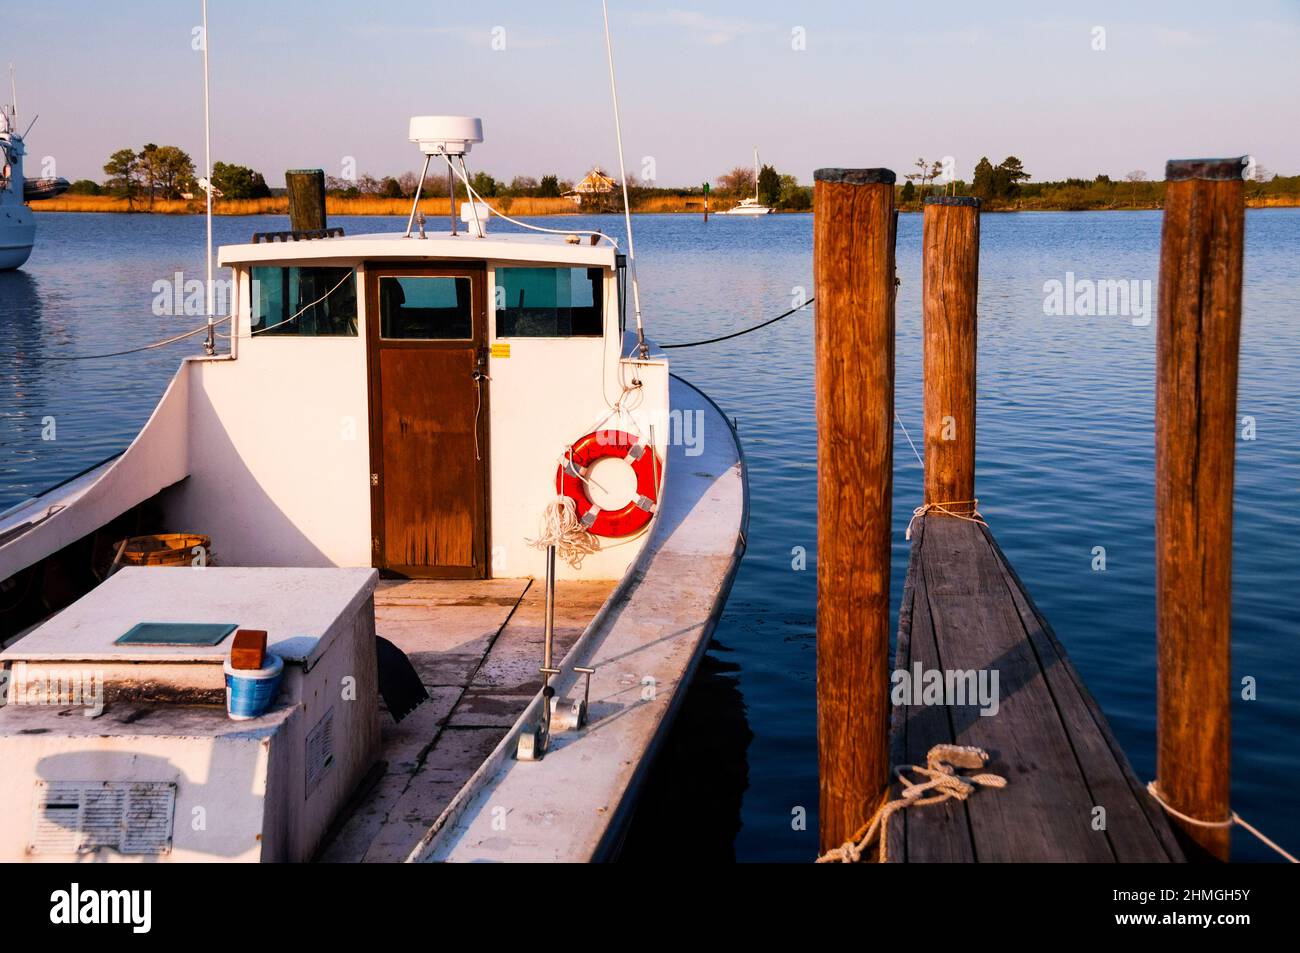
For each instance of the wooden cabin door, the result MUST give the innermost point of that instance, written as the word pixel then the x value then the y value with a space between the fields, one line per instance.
pixel 427 342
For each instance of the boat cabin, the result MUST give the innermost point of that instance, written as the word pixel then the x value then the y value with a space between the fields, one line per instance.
pixel 403 402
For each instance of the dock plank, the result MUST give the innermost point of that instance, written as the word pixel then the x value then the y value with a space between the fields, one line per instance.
pixel 965 609
pixel 939 833
pixel 1135 824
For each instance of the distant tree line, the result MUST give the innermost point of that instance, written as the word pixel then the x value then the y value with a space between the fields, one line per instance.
pixel 1007 186
pixel 239 181
pixel 1001 181
pixel 167 172
pixel 774 189
pixel 163 172
pixel 403 186
pixel 154 172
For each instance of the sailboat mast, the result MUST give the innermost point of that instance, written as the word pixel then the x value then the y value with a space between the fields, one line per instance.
pixel 755 173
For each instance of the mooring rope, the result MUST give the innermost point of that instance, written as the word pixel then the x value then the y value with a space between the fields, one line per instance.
pixel 972 517
pixel 941 764
pixel 916 453
pixel 199 330
pixel 133 350
pixel 1233 818
pixel 728 337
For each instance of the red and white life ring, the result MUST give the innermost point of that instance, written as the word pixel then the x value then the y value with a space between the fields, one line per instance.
pixel 600 445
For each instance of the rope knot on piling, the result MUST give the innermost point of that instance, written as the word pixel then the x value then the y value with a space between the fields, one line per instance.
pixel 972 514
pixel 942 783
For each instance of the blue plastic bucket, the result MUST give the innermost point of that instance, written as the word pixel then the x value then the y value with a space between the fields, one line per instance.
pixel 250 691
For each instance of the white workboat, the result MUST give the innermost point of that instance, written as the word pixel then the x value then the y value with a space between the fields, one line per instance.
pixel 751 206
pixel 395 415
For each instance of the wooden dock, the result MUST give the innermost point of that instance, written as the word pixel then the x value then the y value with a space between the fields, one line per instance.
pixel 1062 789
pixel 964 609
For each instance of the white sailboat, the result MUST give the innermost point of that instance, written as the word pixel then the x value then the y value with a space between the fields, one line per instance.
pixel 751 206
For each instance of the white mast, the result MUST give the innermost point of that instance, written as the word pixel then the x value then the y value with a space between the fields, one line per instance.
pixel 210 346
pixel 627 211
pixel 13 88
pixel 755 175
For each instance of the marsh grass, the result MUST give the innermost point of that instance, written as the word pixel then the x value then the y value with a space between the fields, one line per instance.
pixel 279 205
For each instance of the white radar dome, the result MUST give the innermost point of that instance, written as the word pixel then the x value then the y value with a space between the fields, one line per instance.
pixel 446 135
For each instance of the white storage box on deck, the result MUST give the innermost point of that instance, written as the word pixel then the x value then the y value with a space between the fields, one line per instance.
pixel 162 773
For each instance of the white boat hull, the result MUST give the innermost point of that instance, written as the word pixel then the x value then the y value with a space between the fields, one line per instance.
pixel 17 236
pixel 749 210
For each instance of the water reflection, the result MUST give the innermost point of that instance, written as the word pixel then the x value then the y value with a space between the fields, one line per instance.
pixel 690 805
pixel 22 376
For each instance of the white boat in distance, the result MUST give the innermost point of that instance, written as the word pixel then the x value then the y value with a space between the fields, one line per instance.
pixel 370 461
pixel 751 206
pixel 17 223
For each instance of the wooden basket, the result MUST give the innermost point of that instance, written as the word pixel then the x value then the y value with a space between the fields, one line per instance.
pixel 163 549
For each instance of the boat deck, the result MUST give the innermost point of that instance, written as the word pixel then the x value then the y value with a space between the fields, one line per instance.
pixel 574 804
pixel 964 608
pixel 477 646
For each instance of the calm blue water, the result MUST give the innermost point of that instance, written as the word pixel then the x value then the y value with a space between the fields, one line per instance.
pixel 1065 460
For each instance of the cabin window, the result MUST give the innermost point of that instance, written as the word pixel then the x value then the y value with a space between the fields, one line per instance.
pixel 425 308
pixel 549 302
pixel 310 302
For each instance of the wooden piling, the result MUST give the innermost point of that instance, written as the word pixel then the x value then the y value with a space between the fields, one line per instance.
pixel 949 285
pixel 306 188
pixel 854 226
pixel 1197 335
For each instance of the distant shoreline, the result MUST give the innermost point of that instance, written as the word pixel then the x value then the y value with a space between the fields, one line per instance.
pixel 523 206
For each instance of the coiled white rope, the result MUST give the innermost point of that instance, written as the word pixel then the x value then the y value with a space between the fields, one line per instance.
pixel 561 528
pixel 940 771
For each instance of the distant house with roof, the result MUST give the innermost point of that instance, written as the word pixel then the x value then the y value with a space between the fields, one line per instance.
pixel 595 191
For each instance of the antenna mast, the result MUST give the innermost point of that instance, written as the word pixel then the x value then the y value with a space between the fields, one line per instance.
pixel 13 90
pixel 209 345
pixel 627 211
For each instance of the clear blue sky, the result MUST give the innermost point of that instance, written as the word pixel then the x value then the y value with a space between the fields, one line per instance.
pixel 299 83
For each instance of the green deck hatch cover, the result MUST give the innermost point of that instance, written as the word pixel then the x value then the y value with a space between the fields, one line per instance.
pixel 177 633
